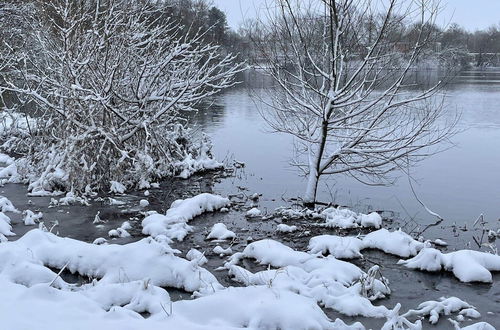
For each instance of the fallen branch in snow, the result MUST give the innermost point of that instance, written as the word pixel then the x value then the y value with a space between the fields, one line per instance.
pixel 59 274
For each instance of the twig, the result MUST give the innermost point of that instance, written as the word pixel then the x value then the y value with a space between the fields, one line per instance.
pixel 59 274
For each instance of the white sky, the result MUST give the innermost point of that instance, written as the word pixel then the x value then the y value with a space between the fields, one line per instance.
pixel 471 14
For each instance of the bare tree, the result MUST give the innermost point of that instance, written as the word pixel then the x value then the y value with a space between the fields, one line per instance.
pixel 108 82
pixel 341 86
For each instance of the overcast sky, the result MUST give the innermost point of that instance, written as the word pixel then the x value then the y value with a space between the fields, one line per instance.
pixel 471 14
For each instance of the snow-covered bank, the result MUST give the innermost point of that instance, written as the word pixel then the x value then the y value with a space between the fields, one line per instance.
pixel 149 258
pixel 127 280
pixel 127 288
pixel 98 307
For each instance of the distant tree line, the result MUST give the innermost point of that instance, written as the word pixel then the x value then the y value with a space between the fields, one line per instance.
pixel 451 46
pixel 480 42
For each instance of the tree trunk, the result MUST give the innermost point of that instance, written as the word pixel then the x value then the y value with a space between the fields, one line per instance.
pixel 311 189
pixel 312 180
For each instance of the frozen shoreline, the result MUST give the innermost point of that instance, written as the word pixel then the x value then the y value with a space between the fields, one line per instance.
pixel 258 228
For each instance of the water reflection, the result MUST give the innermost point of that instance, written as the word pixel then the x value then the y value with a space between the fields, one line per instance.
pixel 459 183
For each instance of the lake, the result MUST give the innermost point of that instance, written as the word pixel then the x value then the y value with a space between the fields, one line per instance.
pixel 459 183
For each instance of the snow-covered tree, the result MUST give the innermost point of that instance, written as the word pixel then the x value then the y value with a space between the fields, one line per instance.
pixel 342 87
pixel 108 81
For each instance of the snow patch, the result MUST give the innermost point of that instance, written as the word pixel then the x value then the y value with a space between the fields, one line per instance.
pixel 282 228
pixel 7 206
pixel 197 256
pixel 5 227
pixel 117 187
pixel 221 251
pixel 30 217
pixel 253 212
pixel 397 242
pixel 220 232
pixel 345 219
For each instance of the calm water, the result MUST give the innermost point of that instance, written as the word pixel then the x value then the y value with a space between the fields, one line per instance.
pixel 460 183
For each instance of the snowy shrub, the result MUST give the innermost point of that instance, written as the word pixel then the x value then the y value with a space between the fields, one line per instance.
pixel 110 86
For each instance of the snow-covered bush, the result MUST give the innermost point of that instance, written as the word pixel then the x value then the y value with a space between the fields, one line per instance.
pixel 109 85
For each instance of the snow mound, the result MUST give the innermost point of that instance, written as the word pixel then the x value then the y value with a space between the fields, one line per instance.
pixel 334 283
pixel 6 159
pixel 197 256
pixel 7 206
pixel 282 228
pixel 475 326
pixel 117 187
pixel 121 231
pixel 30 217
pixel 5 227
pixel 339 247
pixel 222 252
pixel 264 308
pixel 466 265
pixel 397 242
pixel 220 232
pixel 440 242
pixel 174 223
pixel 100 241
pixel 373 220
pixel 203 162
pixel 9 173
pixel 253 213
pixel 148 258
pixel 118 232
pixel 346 219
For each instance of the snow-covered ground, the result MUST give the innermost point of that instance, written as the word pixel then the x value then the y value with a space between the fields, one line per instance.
pixel 274 285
